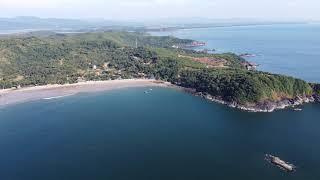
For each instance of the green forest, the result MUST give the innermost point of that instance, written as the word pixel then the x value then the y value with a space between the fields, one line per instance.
pixel 31 59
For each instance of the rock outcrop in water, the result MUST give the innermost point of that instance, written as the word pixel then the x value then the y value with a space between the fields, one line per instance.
pixel 288 167
pixel 316 97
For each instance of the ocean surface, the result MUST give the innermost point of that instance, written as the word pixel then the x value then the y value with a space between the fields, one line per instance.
pixel 167 134
pixel 283 49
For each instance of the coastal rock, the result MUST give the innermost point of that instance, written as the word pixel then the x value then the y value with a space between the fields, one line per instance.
pixel 266 106
pixel 316 97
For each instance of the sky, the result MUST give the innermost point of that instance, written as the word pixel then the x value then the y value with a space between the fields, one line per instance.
pixel 158 9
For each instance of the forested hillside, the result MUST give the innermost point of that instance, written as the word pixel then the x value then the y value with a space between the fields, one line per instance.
pixel 59 58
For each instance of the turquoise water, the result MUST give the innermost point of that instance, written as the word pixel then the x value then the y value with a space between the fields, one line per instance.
pixel 126 134
pixel 286 49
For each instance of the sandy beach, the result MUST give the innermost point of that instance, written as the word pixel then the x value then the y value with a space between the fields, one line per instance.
pixel 15 96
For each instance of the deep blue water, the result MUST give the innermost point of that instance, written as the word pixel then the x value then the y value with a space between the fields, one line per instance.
pixel 285 49
pixel 168 134
pixel 126 134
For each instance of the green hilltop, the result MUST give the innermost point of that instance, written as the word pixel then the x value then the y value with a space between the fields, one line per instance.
pixel 33 59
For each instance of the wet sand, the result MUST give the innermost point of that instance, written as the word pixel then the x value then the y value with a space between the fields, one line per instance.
pixel 15 96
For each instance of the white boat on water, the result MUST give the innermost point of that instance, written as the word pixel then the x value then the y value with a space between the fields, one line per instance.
pixel 297 109
pixel 148 91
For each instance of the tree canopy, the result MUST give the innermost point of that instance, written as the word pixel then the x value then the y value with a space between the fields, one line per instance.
pixel 60 58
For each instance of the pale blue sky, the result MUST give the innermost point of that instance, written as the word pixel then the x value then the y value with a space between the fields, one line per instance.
pixel 149 9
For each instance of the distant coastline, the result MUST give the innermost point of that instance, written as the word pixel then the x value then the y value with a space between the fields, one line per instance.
pixel 144 28
pixel 204 26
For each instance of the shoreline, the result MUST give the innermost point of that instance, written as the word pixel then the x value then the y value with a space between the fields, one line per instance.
pixel 265 107
pixel 177 28
pixel 56 91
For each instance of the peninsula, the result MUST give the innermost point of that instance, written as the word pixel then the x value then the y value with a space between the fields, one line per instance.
pixel 32 60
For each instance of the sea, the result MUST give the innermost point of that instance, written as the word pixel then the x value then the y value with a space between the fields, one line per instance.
pixel 168 134
pixel 291 49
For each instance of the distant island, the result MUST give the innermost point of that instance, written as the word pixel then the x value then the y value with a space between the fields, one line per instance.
pixel 34 59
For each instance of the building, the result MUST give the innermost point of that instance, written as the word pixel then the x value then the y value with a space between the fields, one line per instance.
pixel 94 67
pixel 250 66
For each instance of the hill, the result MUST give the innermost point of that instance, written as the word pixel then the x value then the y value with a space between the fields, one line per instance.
pixel 60 58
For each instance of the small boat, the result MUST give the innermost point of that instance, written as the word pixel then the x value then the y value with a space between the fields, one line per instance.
pixel 146 92
pixel 297 109
pixel 280 163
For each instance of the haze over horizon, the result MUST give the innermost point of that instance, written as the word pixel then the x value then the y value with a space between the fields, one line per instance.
pixel 161 9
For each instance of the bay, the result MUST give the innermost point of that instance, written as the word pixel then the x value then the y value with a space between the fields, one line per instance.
pixel 167 134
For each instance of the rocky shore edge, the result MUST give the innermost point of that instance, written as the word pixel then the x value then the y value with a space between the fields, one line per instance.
pixel 267 106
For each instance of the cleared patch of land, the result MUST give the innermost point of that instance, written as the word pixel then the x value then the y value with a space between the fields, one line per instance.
pixel 211 62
